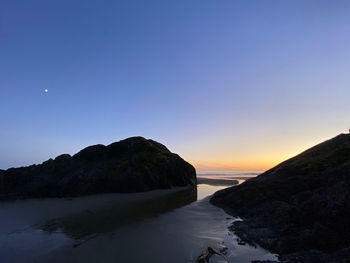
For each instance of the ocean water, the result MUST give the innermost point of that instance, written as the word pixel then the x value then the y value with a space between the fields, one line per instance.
pixel 160 226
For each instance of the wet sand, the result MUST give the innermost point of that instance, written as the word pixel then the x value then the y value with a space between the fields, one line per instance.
pixel 158 226
pixel 216 181
pixel 224 179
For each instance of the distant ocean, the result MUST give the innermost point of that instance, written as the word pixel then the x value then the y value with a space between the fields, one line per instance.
pixel 233 173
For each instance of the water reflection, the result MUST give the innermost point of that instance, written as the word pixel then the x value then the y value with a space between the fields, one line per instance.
pixel 205 190
pixel 178 236
pixel 92 222
pixel 109 228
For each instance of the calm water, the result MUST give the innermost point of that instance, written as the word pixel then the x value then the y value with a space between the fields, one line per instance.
pixel 159 226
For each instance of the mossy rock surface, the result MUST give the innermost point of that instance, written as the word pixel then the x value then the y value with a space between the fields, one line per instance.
pixel 131 165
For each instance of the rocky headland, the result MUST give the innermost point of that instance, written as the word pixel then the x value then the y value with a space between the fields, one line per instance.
pixel 299 209
pixel 131 165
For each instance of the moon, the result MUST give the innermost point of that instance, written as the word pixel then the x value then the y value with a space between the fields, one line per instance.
pixel 46 90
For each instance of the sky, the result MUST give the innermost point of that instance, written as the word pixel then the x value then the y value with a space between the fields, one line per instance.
pixel 228 85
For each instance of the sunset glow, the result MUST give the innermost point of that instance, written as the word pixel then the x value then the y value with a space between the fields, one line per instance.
pixel 230 85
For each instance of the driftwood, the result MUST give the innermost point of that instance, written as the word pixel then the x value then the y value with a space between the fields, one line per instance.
pixel 207 254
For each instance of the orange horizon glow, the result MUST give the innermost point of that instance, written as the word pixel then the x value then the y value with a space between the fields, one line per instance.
pixel 260 160
pixel 242 163
pixel 217 166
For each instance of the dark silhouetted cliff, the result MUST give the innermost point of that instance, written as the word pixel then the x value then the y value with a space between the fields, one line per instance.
pixel 302 204
pixel 131 165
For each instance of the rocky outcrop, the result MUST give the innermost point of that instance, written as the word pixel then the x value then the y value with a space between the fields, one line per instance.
pixel 131 165
pixel 299 209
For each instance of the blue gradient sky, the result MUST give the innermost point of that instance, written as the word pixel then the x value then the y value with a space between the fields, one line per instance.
pixel 226 84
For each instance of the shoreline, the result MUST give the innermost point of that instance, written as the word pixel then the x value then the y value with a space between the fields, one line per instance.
pixel 214 181
pixel 106 221
pixel 256 232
